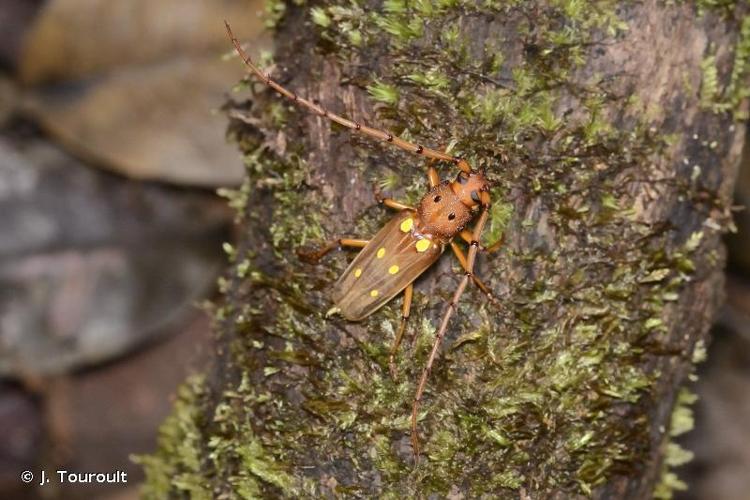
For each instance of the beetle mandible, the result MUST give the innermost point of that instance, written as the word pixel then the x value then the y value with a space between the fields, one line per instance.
pixel 410 242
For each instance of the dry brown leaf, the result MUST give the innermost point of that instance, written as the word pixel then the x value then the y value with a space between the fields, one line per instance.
pixel 159 122
pixel 73 39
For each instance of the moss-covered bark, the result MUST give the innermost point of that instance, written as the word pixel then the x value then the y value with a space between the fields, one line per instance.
pixel 612 133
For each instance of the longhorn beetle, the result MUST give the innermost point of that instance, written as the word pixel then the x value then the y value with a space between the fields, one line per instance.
pixel 410 243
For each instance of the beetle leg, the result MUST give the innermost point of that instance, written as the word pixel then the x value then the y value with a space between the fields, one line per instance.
pixel 432 175
pixel 482 286
pixel 485 200
pixel 390 202
pixel 396 205
pixel 408 292
pixel 314 256
pixel 466 236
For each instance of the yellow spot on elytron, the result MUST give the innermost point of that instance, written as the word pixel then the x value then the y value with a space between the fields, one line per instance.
pixel 407 224
pixel 357 273
pixel 381 252
pixel 393 269
pixel 374 293
pixel 423 245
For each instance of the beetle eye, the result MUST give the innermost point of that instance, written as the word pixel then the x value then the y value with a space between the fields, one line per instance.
pixel 451 216
pixel 462 178
pixel 475 196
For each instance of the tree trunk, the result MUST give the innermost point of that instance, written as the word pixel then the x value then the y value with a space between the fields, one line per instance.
pixel 612 134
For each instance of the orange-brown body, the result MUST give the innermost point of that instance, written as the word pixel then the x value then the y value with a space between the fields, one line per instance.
pixel 407 246
pixel 446 209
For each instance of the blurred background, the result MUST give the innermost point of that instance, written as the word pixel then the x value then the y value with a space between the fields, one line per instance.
pixel 112 146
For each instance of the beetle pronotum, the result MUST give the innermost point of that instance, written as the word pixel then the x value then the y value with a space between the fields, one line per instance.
pixel 410 243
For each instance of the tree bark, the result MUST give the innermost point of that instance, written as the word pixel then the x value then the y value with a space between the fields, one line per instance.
pixel 612 134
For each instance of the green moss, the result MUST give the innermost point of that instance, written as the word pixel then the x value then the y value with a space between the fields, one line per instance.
pixel 668 485
pixel 728 99
pixel 320 17
pixel 237 198
pixel 234 448
pixel 682 416
pixel 709 83
pixel 297 214
pixel 739 83
pixel 674 454
pixel 189 446
pixel 275 11
pixel 177 463
pixel 722 6
pixel 381 92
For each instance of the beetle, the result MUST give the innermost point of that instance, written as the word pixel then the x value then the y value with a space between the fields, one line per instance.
pixel 410 242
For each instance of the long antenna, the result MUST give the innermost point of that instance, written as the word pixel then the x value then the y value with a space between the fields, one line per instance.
pixel 319 110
